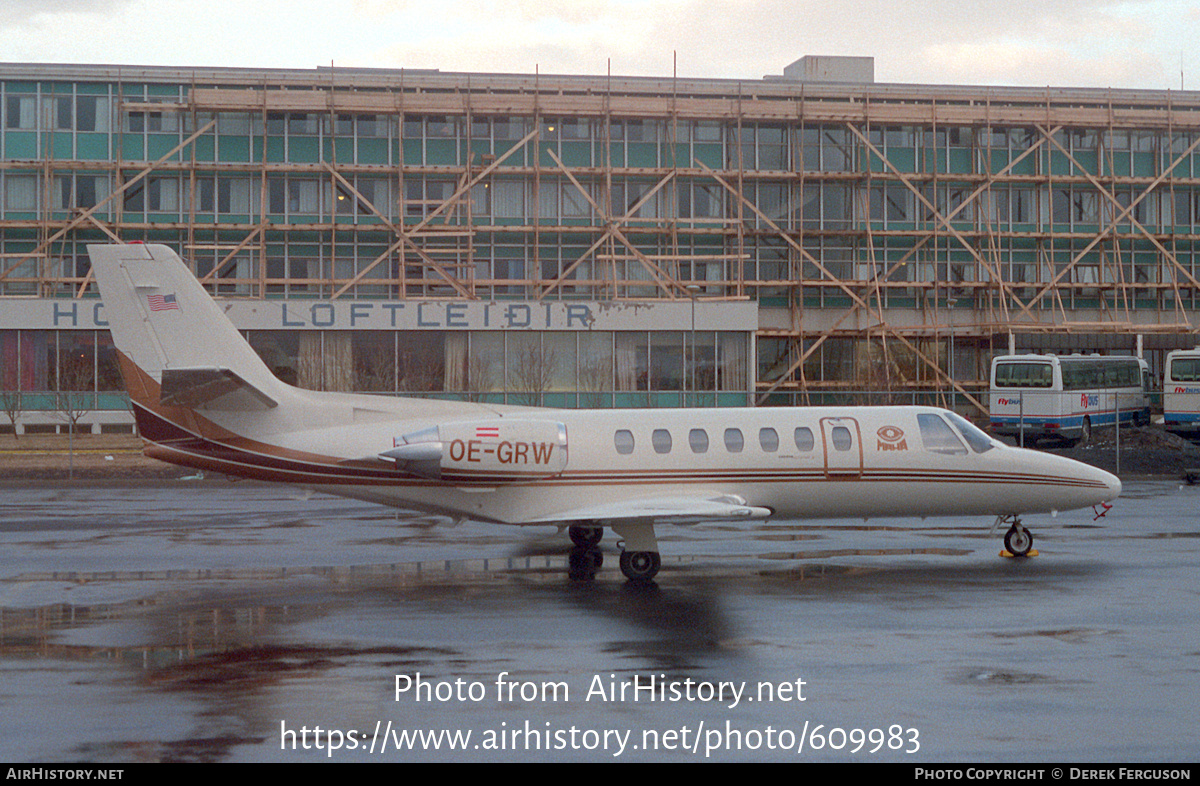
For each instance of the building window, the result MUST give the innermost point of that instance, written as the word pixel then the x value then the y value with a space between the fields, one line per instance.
pixel 20 112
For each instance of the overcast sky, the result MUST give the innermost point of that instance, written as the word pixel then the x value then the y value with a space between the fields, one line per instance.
pixel 1067 43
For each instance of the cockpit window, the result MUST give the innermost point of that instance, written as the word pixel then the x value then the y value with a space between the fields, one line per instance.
pixel 979 441
pixel 938 436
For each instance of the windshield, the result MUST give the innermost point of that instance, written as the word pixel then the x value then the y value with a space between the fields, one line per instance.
pixel 979 441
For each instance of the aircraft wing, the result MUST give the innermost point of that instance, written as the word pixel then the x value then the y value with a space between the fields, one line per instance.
pixel 672 510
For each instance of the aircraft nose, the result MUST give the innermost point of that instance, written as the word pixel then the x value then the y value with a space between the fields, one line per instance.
pixel 1091 485
pixel 1113 483
pixel 1100 478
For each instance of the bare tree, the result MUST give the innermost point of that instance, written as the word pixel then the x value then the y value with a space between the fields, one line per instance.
pixel 12 405
pixel 74 398
pixel 480 378
pixel 374 369
pixel 532 371
pixel 422 368
pixel 595 378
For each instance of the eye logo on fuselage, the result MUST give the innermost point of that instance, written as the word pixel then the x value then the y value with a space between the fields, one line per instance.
pixel 891 438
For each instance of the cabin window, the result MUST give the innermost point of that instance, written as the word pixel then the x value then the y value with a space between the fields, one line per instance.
pixel 938 436
pixel 841 438
pixel 623 441
pixel 661 440
pixel 698 440
pixel 733 440
pixel 804 439
pixel 768 439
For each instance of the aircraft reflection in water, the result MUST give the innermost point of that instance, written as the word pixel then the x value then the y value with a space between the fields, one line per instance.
pixel 204 399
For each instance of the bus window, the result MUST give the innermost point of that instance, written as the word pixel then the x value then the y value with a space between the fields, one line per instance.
pixel 1081 376
pixel 1185 370
pixel 1024 375
pixel 938 437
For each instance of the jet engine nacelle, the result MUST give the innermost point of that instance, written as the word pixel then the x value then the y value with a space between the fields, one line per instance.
pixel 486 451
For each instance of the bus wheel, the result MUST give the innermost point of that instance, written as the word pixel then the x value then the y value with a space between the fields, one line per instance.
pixel 1085 432
pixel 1018 541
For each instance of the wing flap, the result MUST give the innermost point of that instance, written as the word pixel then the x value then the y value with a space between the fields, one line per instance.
pixel 670 510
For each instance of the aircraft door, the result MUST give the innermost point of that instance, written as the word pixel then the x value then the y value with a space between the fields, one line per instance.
pixel 842 442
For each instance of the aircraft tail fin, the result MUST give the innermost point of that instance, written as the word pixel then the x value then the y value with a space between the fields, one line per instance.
pixel 164 323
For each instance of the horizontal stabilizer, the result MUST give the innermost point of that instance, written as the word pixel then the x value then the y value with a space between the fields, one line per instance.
pixel 671 510
pixel 211 388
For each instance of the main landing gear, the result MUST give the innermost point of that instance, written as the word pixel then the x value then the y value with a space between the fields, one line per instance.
pixel 640 566
pixel 640 559
pixel 1018 541
pixel 585 536
pixel 585 558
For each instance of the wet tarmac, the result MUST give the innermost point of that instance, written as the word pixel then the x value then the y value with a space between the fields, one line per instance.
pixel 236 622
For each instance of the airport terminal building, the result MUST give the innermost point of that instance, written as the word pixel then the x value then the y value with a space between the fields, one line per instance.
pixel 597 241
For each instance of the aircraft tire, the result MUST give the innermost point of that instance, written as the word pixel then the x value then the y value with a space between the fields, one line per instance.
pixel 583 562
pixel 1018 542
pixel 585 536
pixel 640 565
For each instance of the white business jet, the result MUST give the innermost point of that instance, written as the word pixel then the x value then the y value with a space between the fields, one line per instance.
pixel 203 398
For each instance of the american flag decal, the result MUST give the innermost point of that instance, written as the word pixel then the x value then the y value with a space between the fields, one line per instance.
pixel 163 302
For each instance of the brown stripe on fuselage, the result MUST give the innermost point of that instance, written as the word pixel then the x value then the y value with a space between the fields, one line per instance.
pixel 178 435
pixel 200 453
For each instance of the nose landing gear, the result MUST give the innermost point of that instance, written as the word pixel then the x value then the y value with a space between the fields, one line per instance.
pixel 1018 541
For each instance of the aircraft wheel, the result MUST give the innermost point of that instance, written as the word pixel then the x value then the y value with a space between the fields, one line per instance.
pixel 1018 541
pixel 585 536
pixel 583 562
pixel 640 565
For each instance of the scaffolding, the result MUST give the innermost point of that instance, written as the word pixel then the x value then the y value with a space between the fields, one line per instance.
pixel 880 228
